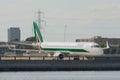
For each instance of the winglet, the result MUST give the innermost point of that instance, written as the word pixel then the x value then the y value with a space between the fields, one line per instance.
pixel 107 45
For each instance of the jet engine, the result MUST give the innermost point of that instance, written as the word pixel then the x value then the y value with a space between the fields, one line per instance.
pixel 58 55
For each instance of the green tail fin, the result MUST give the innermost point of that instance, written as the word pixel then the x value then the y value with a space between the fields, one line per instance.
pixel 38 36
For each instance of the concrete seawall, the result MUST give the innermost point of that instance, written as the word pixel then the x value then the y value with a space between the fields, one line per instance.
pixel 99 63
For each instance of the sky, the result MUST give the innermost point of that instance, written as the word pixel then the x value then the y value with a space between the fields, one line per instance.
pixel 62 20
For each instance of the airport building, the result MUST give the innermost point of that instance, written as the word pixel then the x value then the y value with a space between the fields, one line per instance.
pixel 13 34
pixel 99 39
pixel 114 43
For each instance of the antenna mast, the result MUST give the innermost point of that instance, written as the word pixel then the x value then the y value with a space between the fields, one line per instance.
pixel 39 19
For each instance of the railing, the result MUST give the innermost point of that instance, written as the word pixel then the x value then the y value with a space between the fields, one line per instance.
pixel 38 58
pixel 104 57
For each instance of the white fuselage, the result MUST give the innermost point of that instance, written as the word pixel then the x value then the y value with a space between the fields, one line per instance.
pixel 74 48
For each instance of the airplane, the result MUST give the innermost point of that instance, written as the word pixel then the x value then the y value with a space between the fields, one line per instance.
pixel 62 49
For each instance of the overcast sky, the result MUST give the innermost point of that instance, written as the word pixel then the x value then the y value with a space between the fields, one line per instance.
pixel 83 18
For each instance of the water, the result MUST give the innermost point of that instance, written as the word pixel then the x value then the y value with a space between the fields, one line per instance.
pixel 62 75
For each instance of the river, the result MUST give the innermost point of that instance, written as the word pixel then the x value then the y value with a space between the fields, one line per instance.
pixel 61 75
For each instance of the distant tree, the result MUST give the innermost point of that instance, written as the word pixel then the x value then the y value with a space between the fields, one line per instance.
pixel 102 44
pixel 15 40
pixel 30 39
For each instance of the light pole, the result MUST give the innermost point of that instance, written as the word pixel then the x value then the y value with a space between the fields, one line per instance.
pixel 65 29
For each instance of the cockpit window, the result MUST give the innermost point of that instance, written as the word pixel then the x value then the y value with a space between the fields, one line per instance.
pixel 95 46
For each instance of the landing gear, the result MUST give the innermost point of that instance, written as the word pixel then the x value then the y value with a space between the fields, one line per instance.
pixel 60 57
pixel 90 58
pixel 76 58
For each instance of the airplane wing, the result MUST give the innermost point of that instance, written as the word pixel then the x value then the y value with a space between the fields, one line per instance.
pixel 49 52
pixel 40 51
pixel 25 43
pixel 21 49
pixel 30 50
